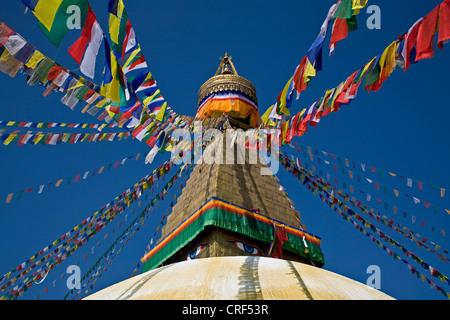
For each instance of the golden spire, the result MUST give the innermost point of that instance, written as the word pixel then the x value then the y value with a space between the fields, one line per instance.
pixel 225 65
pixel 226 78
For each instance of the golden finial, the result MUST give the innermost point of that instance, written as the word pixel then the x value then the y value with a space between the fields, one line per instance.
pixel 225 65
pixel 226 78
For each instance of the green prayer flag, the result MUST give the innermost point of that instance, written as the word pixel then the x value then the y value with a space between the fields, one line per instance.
pixel 20 195
pixel 345 10
pixel 373 75
pixel 63 18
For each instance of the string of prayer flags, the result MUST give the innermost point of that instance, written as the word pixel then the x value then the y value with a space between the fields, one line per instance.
pixel 136 118
pixel 345 20
pixel 410 182
pixel 53 16
pixel 377 186
pixel 392 253
pixel 318 187
pixel 373 74
pixel 50 138
pixel 72 179
pixel 47 125
pixel 53 77
pixel 312 61
pixel 122 239
pixel 409 234
pixel 417 43
pixel 80 234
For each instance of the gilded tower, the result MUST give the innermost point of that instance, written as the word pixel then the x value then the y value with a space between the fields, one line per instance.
pixel 231 209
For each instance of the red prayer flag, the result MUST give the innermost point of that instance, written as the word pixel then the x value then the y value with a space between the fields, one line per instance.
pixel 425 35
pixel 54 72
pixel 78 48
pixel 340 31
pixel 444 23
pixel 342 97
pixel 299 84
pixel 410 43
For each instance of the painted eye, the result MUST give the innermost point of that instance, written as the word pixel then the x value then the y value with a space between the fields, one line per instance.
pixel 195 253
pixel 246 248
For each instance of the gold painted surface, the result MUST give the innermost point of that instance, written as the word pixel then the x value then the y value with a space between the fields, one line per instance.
pixel 239 278
pixel 226 78
pixel 227 82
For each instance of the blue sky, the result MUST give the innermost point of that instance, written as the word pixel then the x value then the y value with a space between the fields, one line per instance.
pixel 400 129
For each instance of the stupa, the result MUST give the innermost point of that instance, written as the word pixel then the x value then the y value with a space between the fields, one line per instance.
pixel 234 233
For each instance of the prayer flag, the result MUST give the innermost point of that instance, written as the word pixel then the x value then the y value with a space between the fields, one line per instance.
pixel 111 86
pixel 130 39
pixel 135 61
pixel 340 32
pixel 53 16
pixel 410 41
pixel 425 35
pixel 444 23
pixel 44 10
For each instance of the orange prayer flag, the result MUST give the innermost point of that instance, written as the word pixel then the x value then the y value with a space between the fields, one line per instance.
pixel 8 199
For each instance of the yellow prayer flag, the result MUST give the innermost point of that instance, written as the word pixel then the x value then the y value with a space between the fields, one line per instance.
pixel 131 58
pixel 387 60
pixel 58 182
pixel 265 117
pixel 9 139
pixel 149 99
pixel 161 112
pixel 80 83
pixel 113 88
pixel 282 101
pixel 114 28
pixel 101 103
pixel 114 22
pixel 336 95
pixel 102 126
pixel 284 130
pixel 46 10
pixel 170 146
pixel 357 5
pixel 35 59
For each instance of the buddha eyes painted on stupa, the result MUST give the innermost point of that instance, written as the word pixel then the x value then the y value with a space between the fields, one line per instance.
pixel 195 252
pixel 246 247
pixel 242 246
